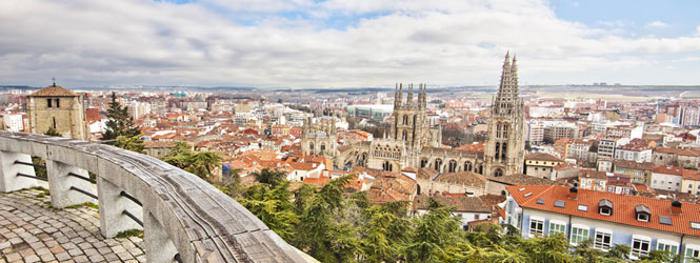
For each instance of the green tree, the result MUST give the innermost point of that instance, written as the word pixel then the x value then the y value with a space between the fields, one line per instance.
pixel 52 132
pixel 134 143
pixel 269 176
pixel 201 164
pixel 119 122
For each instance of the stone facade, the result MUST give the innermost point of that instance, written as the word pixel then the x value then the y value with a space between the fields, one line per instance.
pixel 504 152
pixel 58 108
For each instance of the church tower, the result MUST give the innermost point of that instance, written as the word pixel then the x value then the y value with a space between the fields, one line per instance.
pixel 58 109
pixel 504 153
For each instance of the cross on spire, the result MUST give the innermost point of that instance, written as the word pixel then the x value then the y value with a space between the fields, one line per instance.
pixel 54 81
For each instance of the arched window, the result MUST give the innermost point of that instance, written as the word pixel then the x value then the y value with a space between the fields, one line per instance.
pixel 468 166
pixel 405 119
pixel 452 166
pixel 438 164
pixel 323 147
pixel 423 163
pixel 498 172
pixel 404 135
pixel 386 166
pixel 504 150
pixel 505 131
pixel 498 130
pixel 311 146
pixel 498 150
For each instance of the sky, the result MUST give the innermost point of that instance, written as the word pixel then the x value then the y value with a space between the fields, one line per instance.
pixel 340 43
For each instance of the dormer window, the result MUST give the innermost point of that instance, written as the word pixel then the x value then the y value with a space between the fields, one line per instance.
pixel 643 213
pixel 605 207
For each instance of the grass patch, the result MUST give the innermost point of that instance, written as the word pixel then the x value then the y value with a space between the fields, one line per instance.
pixel 130 233
pixel 86 204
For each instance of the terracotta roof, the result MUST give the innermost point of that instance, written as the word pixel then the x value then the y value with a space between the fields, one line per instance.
pixel 463 178
pixel 54 91
pixel 592 174
pixel 519 179
pixel 426 174
pixel 633 164
pixel 542 157
pixel 391 189
pixel 623 212
pixel 459 204
pixel 679 171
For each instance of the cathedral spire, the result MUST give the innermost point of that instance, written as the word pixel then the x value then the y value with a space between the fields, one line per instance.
pixel 514 76
pixel 409 98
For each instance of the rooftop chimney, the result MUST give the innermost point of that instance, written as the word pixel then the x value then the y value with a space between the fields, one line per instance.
pixel 573 192
pixel 676 207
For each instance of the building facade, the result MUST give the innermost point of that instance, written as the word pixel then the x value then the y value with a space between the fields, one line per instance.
pixel 504 152
pixel 60 109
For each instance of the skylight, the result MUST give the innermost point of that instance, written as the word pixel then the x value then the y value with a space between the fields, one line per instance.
pixel 540 201
pixel 559 203
pixel 665 220
pixel 583 208
pixel 695 225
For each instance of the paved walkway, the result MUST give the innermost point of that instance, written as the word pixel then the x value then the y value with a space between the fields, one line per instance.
pixel 32 231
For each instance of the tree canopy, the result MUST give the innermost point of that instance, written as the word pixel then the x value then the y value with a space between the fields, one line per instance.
pixel 333 225
pixel 119 123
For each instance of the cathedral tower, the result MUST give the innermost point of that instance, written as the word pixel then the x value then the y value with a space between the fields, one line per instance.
pixel 504 153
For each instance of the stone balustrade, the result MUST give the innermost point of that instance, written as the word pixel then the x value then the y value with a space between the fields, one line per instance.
pixel 183 217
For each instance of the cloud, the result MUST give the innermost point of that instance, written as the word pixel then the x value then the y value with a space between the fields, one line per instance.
pixel 656 25
pixel 306 43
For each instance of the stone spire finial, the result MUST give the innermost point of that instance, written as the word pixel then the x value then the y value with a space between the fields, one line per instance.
pixel 53 79
pixel 409 98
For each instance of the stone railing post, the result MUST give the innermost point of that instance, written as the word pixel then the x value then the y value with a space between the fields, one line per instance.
pixel 112 207
pixel 159 247
pixel 10 168
pixel 61 178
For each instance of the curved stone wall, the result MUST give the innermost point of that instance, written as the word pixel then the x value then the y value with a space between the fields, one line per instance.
pixel 183 217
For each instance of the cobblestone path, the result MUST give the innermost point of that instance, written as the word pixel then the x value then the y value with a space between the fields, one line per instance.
pixel 32 231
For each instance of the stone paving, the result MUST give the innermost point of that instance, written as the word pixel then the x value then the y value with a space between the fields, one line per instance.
pixel 32 231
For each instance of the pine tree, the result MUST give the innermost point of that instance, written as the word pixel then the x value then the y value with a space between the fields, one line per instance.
pixel 52 132
pixel 119 122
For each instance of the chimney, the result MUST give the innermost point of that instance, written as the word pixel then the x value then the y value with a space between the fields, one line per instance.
pixel 676 207
pixel 573 192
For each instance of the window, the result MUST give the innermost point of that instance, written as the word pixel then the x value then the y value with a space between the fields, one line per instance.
pixel 605 211
pixel 556 227
pixel 536 227
pixel 640 247
pixel 48 103
pixel 476 216
pixel 667 245
pixel 643 217
pixel 692 253
pixel 579 233
pixel 58 105
pixel 603 239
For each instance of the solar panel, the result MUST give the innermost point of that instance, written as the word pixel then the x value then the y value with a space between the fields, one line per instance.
pixel 665 220
pixel 540 201
pixel 559 203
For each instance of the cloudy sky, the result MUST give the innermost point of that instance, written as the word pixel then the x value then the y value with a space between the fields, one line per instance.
pixel 341 43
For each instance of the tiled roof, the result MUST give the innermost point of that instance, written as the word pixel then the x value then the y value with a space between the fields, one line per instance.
pixel 527 196
pixel 592 174
pixel 464 178
pixel 519 179
pixel 679 171
pixel 54 91
pixel 633 165
pixel 542 157
pixel 459 203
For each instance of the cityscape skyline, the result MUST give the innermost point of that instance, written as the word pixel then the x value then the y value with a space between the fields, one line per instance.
pixel 331 44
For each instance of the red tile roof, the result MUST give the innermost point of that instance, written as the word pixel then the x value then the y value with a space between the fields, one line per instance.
pixel 54 91
pixel 623 207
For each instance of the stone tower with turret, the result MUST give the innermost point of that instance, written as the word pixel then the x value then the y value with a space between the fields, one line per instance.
pixel 504 152
pixel 411 126
pixel 319 137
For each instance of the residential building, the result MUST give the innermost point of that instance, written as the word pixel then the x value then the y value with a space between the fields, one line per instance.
pixel 608 219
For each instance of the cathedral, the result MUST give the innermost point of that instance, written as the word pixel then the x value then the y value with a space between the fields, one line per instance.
pixel 414 142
